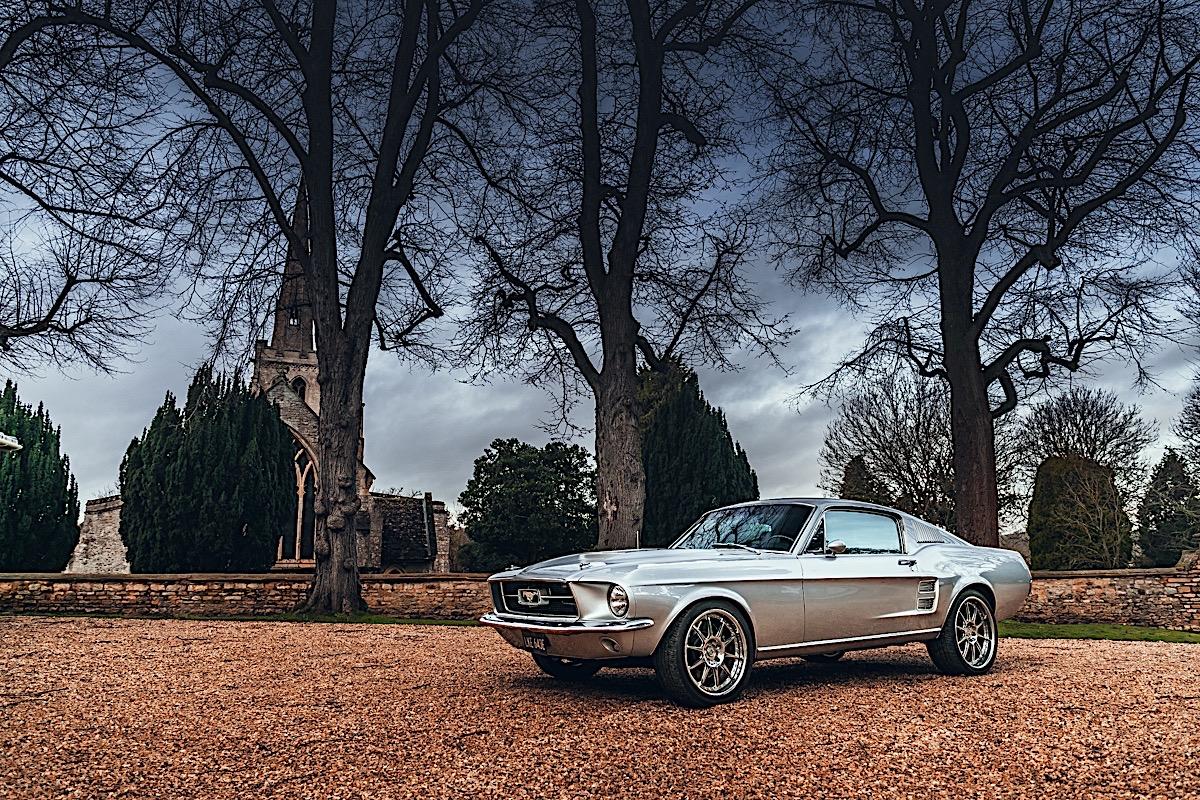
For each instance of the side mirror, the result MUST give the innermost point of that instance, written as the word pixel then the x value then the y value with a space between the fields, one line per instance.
pixel 835 548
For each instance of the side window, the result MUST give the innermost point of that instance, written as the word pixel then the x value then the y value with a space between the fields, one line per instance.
pixel 863 532
pixel 817 543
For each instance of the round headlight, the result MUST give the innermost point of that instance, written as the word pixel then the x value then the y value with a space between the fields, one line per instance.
pixel 618 601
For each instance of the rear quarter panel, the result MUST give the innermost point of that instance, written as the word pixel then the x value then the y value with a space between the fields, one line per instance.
pixel 961 567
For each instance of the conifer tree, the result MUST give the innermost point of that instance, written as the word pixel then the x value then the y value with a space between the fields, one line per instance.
pixel 209 488
pixel 859 483
pixel 1169 515
pixel 39 500
pixel 691 460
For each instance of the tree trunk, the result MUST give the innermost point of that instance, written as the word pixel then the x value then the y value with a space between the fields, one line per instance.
pixel 620 476
pixel 973 433
pixel 336 588
pixel 976 505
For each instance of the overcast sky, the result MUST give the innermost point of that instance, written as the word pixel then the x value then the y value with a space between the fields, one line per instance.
pixel 424 429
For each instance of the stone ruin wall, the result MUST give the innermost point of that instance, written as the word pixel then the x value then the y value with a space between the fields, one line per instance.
pixel 100 549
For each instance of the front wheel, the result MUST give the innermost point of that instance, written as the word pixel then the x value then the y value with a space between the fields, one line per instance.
pixel 566 669
pixel 704 658
pixel 967 643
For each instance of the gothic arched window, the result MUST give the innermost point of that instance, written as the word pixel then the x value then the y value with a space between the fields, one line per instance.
pixel 298 544
pixel 299 387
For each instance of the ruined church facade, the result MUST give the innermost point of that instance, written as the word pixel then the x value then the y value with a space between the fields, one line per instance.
pixel 396 533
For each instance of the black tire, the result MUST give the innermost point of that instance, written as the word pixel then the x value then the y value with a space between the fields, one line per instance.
pixel 671 663
pixel 971 650
pixel 566 669
pixel 825 658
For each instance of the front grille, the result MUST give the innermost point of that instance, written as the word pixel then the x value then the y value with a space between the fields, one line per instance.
pixel 541 599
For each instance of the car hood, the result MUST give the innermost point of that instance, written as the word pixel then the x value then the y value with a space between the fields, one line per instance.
pixel 610 564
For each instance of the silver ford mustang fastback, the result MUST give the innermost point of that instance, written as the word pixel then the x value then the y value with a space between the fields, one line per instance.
pixel 768 579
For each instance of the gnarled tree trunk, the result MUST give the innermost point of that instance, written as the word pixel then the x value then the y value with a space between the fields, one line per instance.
pixel 336 587
pixel 976 503
pixel 620 475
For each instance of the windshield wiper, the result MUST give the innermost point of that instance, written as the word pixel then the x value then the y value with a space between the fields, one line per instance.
pixel 718 545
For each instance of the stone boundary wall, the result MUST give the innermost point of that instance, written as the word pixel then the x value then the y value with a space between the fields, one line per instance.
pixel 450 596
pixel 1163 598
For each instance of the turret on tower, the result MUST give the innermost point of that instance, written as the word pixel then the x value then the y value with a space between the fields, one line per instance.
pixel 291 355
pixel 294 329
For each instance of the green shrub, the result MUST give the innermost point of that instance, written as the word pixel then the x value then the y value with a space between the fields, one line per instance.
pixel 1076 519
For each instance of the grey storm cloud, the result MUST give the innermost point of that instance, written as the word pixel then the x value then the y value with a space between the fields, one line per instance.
pixel 424 429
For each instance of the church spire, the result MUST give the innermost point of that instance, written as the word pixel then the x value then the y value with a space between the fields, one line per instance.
pixel 293 311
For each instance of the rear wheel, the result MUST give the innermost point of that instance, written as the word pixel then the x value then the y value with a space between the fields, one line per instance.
pixel 705 656
pixel 967 643
pixel 825 658
pixel 566 669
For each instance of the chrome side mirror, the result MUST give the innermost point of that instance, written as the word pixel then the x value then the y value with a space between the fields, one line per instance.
pixel 835 548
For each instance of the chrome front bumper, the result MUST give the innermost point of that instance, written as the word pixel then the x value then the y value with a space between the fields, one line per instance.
pixel 592 639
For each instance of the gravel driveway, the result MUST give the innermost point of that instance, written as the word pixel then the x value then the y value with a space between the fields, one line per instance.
pixel 180 709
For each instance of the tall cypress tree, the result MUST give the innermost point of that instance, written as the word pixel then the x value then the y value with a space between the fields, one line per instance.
pixel 209 488
pixel 692 462
pixel 39 500
pixel 1169 515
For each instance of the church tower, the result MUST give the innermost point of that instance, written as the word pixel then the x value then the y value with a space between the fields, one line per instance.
pixel 285 368
pixel 291 354
pixel 409 533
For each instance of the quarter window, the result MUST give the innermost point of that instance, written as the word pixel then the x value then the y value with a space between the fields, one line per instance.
pixel 863 532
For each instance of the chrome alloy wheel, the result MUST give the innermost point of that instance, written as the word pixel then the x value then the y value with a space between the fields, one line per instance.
pixel 715 652
pixel 975 632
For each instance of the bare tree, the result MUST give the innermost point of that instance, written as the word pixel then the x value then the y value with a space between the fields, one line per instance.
pixel 1092 424
pixel 992 182
pixel 264 97
pixel 79 278
pixel 71 301
pixel 900 427
pixel 600 241
pixel 1187 426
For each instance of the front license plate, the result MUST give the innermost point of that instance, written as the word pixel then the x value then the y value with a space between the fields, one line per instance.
pixel 536 642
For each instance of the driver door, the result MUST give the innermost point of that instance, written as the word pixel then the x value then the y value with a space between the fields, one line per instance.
pixel 870 589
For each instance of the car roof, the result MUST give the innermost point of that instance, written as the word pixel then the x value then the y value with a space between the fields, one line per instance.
pixel 816 501
pixel 825 502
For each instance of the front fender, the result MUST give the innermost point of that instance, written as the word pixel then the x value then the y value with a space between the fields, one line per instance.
pixel 665 603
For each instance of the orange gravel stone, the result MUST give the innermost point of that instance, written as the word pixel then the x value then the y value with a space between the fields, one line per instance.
pixel 168 709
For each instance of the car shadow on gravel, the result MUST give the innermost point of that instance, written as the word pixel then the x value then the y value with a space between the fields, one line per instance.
pixel 637 685
pixel 630 684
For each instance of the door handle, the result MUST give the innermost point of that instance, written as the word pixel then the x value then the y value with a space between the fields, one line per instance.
pixel 908 562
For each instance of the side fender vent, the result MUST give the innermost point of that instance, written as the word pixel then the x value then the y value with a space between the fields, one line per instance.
pixel 927 594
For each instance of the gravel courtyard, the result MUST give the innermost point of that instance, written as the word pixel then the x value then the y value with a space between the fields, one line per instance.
pixel 179 709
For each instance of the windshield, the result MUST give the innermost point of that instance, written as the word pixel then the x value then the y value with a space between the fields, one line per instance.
pixel 763 527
